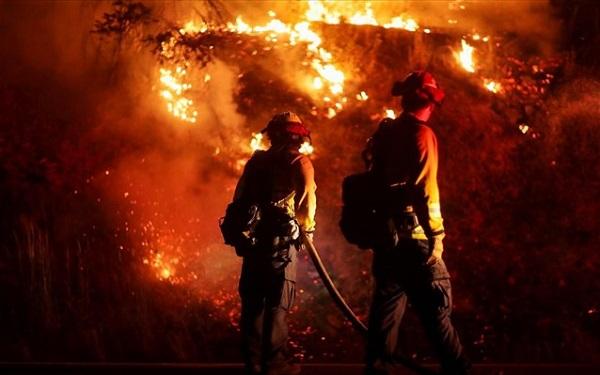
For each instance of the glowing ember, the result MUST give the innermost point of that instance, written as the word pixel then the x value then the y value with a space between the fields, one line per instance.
pixel 465 56
pixel 174 89
pixel 165 273
pixel 390 113
pixel 306 148
pixel 492 86
pixel 362 96
pixel 524 128
pixel 164 269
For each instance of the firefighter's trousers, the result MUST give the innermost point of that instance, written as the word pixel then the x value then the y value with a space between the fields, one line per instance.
pixel 267 294
pixel 402 276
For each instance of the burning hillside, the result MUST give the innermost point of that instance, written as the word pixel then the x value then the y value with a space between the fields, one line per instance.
pixel 318 73
pixel 118 174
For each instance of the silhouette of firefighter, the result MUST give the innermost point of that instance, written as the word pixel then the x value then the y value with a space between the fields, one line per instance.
pixel 405 229
pixel 273 201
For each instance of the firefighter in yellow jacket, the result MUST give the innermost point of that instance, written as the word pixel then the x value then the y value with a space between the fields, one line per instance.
pixel 280 182
pixel 403 156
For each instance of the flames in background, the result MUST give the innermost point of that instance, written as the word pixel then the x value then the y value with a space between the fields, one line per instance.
pixel 327 79
pixel 326 83
pixel 174 177
pixel 174 92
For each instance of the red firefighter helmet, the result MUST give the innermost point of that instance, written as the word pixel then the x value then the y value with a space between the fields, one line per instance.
pixel 419 83
pixel 287 122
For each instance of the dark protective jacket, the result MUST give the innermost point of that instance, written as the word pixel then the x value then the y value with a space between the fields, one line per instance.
pixel 291 177
pixel 283 178
pixel 403 154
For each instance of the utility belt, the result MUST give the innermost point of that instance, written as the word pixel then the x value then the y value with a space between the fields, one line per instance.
pixel 276 233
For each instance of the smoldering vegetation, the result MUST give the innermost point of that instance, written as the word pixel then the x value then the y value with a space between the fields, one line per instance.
pixel 109 245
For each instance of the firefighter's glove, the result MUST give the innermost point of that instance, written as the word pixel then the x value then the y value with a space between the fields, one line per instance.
pixel 293 229
pixel 301 246
pixel 437 248
pixel 309 235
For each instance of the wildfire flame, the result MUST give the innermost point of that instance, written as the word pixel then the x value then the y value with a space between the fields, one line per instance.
pixel 174 90
pixel 408 24
pixel 328 75
pixel 363 18
pixel 334 13
pixel 325 78
pixel 192 28
pixel 257 142
pixel 465 56
pixel 328 79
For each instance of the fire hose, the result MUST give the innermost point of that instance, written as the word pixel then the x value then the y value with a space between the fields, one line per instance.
pixel 342 305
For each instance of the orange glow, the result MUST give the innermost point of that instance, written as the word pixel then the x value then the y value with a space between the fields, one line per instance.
pixel 365 17
pixel 329 75
pixel 174 90
pixel 465 57
pixel 492 86
pixel 332 12
pixel 317 12
pixel 257 142
pixel 193 28
pixel 163 268
pixel 328 80
pixel 362 96
pixel 331 113
pixel 390 113
pixel 306 148
pixel 408 24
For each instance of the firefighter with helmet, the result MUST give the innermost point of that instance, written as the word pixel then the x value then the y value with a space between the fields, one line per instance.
pixel 280 182
pixel 403 157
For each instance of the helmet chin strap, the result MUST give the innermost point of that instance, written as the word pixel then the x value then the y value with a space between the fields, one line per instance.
pixel 341 304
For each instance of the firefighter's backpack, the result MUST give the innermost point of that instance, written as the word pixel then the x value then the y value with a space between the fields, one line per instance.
pixel 365 220
pixel 256 217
